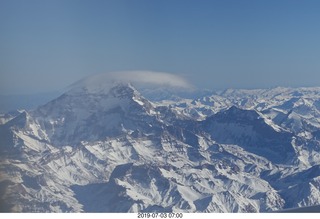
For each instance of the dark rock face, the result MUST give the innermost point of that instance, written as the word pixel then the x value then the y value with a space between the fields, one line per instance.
pixel 247 129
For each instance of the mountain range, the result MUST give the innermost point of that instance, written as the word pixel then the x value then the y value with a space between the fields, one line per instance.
pixel 108 147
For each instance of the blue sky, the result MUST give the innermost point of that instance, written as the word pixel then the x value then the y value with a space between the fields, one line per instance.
pixel 46 45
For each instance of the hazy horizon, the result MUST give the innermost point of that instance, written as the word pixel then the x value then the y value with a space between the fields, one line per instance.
pixel 143 81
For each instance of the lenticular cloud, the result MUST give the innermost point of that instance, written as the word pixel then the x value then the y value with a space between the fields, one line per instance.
pixel 140 79
pixel 150 77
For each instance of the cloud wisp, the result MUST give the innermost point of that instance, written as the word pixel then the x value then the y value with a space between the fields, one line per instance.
pixel 140 79
pixel 151 78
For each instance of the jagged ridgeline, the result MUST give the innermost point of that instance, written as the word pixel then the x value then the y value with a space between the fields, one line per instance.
pixel 103 147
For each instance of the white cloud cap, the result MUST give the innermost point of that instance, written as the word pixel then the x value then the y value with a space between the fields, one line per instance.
pixel 105 81
pixel 150 77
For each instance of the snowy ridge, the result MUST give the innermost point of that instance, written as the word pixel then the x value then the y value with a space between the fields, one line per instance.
pixel 101 144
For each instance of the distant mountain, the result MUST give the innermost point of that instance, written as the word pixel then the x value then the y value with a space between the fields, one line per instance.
pixel 104 147
pixel 158 94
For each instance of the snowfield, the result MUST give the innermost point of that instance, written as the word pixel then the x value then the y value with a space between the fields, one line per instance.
pixel 106 148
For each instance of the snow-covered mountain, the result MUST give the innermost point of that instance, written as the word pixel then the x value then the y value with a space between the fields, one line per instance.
pixel 105 148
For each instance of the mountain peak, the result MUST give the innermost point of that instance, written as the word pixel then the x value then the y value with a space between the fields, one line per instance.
pixel 94 84
pixel 240 115
pixel 123 90
pixel 86 113
pixel 19 121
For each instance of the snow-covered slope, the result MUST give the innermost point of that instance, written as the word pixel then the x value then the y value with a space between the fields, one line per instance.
pixel 105 113
pixel 103 147
pixel 249 129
